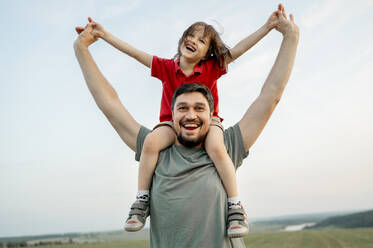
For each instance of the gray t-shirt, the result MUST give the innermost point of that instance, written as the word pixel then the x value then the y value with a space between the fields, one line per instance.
pixel 188 203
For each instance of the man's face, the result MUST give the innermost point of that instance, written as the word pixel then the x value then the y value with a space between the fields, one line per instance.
pixel 192 118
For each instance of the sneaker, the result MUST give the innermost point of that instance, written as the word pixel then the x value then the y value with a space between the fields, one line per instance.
pixel 237 222
pixel 137 216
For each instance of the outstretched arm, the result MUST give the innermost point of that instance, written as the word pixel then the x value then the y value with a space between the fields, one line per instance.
pixel 260 111
pixel 103 93
pixel 247 43
pixel 141 56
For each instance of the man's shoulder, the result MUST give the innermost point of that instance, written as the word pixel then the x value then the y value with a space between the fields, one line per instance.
pixel 234 144
pixel 232 131
pixel 141 135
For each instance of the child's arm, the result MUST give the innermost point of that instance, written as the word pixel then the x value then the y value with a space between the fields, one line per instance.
pixel 252 39
pixel 141 56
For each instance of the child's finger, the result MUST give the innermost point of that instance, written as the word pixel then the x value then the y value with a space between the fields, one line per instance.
pixel 291 18
pixel 284 12
pixel 281 16
pixel 79 29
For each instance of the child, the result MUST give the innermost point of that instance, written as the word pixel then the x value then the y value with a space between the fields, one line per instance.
pixel 202 57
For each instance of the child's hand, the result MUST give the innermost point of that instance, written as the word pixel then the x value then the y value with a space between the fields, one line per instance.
pixel 284 25
pixel 98 30
pixel 274 18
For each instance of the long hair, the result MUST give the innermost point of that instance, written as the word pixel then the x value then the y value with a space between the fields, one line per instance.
pixel 218 51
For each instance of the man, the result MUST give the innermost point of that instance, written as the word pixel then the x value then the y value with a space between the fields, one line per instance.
pixel 188 204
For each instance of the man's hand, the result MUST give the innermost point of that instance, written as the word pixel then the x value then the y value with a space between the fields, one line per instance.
pixel 86 37
pixel 258 114
pixel 284 25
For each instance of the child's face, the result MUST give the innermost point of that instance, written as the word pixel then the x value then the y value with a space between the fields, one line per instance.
pixel 195 45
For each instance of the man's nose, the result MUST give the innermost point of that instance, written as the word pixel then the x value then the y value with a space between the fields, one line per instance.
pixel 190 115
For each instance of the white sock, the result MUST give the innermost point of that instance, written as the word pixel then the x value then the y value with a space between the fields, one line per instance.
pixel 143 195
pixel 232 201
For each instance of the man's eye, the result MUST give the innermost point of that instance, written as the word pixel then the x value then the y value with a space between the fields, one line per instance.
pixel 200 108
pixel 181 108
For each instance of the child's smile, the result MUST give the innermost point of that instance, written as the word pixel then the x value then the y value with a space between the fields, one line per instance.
pixel 195 46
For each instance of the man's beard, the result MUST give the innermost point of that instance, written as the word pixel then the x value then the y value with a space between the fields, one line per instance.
pixel 191 143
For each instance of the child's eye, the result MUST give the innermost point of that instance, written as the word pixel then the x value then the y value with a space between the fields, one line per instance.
pixel 202 41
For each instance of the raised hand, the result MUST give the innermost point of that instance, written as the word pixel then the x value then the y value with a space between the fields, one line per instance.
pixel 98 30
pixel 86 37
pixel 283 24
pixel 273 20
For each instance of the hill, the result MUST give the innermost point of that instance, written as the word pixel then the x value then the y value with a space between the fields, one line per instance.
pixel 281 222
pixel 356 220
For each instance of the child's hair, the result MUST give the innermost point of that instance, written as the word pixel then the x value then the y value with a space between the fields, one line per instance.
pixel 218 51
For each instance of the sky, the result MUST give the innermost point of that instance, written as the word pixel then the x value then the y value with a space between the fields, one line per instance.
pixel 64 169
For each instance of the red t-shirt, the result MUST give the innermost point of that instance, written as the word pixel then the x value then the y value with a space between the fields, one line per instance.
pixel 169 72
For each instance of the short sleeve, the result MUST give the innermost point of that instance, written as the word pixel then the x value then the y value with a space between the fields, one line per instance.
pixel 159 67
pixel 234 144
pixel 143 132
pixel 215 70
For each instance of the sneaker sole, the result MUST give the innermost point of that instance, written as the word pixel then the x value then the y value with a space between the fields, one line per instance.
pixel 238 235
pixel 133 229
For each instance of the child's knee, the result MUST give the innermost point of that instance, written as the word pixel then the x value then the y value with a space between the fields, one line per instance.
pixel 151 144
pixel 216 149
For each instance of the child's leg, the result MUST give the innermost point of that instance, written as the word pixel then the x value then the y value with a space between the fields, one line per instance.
pixel 159 139
pixel 214 145
pixel 217 151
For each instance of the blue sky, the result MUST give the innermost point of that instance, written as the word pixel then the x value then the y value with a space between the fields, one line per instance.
pixel 63 168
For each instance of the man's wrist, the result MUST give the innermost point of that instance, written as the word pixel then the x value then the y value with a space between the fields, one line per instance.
pixel 79 46
pixel 292 34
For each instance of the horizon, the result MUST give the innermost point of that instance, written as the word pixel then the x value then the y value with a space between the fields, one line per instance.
pixel 251 220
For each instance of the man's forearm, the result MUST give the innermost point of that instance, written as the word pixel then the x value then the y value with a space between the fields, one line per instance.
pixel 126 48
pixel 280 72
pixel 248 42
pixel 99 87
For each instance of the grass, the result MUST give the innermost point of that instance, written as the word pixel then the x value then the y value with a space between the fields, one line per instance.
pixel 328 238
pixel 331 238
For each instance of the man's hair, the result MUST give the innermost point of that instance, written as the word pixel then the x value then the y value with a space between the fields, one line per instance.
pixel 194 87
pixel 218 51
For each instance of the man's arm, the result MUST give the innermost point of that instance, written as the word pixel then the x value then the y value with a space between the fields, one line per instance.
pixel 259 112
pixel 141 56
pixel 103 93
pixel 247 43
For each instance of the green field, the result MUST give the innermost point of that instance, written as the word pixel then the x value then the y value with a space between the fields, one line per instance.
pixel 332 238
